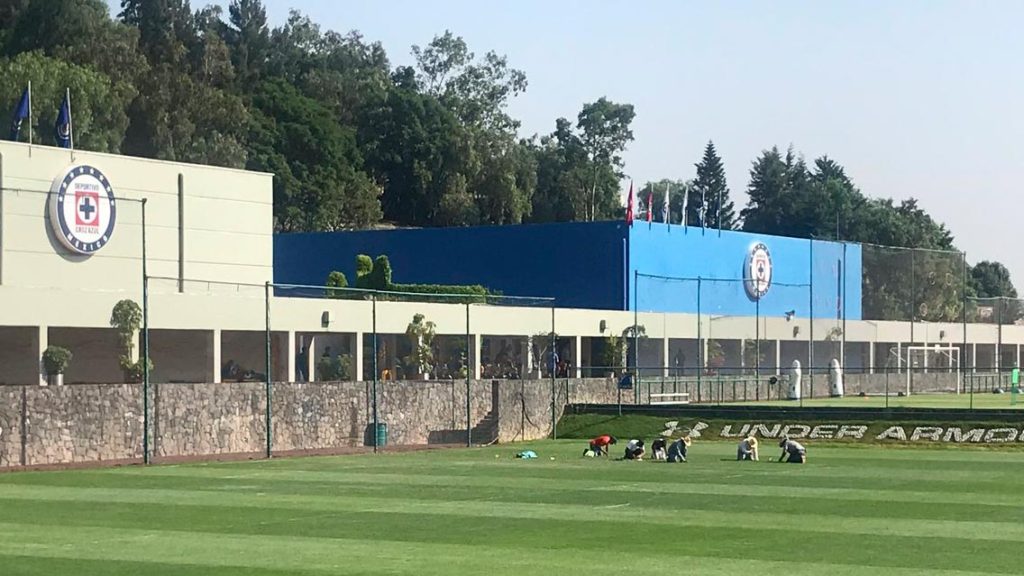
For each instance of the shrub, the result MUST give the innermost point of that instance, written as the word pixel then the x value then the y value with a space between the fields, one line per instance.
pixel 336 280
pixel 56 360
pixel 334 369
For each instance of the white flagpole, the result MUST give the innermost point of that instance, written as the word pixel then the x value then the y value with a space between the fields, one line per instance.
pixel 686 199
pixel 668 205
pixel 71 124
pixel 29 112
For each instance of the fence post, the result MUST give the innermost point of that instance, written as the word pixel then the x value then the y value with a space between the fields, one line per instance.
pixel 145 343
pixel 963 319
pixel 553 367
pixel 469 361
pixel 373 299
pixel 700 343
pixel 636 335
pixel 268 367
pixel 810 347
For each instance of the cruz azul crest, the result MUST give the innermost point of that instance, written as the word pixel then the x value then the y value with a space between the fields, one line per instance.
pixel 83 210
pixel 757 271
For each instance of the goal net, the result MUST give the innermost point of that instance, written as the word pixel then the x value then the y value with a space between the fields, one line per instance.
pixel 933 368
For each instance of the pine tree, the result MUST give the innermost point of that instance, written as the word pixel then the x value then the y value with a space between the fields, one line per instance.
pixel 710 193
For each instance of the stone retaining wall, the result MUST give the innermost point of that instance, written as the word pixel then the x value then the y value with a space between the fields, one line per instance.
pixel 103 423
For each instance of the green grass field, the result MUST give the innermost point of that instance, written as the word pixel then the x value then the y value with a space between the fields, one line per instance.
pixel 851 510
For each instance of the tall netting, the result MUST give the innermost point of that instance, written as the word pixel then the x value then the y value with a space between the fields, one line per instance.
pixel 913 285
pixel 728 340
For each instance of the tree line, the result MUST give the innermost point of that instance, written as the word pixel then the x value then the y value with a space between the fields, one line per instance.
pixel 354 141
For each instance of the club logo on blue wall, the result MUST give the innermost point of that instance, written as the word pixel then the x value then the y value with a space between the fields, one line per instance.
pixel 757 271
pixel 83 210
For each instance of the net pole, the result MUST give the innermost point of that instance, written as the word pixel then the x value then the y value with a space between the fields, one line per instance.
pixel 267 367
pixel 963 321
pixel 700 342
pixel 554 350
pixel 636 340
pixel 373 300
pixel 145 342
pixel 810 346
pixel 469 361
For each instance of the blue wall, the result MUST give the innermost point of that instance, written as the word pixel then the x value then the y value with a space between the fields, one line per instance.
pixel 581 265
pixel 678 252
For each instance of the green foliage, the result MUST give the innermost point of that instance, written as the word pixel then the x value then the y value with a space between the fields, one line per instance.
pixel 709 194
pixel 126 319
pixel 336 280
pixel 376 275
pixel 56 360
pixel 421 334
pixel 336 369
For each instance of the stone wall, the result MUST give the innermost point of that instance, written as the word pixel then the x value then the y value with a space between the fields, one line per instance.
pixel 100 423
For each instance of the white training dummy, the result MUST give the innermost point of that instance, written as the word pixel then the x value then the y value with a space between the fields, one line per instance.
pixel 795 375
pixel 835 378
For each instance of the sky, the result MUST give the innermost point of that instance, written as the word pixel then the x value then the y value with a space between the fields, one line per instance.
pixel 916 98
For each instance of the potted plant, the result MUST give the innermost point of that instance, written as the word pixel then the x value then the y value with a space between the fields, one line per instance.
pixel 126 318
pixel 55 362
pixel 421 334
pixel 611 356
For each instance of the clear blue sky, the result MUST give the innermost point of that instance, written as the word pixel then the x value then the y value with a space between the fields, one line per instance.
pixel 916 98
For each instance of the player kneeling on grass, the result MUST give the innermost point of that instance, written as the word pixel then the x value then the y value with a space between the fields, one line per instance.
pixel 792 451
pixel 677 451
pixel 659 449
pixel 747 450
pixel 599 445
pixel 635 450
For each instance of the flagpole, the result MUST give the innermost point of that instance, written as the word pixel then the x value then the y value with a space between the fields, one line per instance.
pixel 29 112
pixel 71 125
pixel 719 216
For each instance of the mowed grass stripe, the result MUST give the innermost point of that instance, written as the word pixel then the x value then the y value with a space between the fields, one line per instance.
pixel 724 513
pixel 164 549
pixel 736 481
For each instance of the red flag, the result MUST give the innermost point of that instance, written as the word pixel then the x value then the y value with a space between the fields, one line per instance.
pixel 650 204
pixel 629 206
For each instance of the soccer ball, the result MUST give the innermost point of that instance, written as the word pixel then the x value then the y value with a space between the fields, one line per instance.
pixel 589 453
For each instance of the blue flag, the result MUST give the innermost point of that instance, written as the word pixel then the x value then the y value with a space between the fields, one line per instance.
pixel 20 113
pixel 63 127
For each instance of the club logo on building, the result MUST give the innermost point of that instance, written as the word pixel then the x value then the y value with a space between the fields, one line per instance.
pixel 83 210
pixel 757 271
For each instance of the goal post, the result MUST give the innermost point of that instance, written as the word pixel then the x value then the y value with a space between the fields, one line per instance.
pixel 935 359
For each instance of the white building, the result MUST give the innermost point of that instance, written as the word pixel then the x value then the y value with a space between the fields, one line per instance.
pixel 68 254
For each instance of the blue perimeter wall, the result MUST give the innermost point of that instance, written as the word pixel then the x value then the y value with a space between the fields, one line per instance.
pixel 681 252
pixel 591 265
pixel 581 265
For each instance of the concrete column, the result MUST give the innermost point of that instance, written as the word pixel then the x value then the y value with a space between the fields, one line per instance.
pixel 871 358
pixel 778 356
pixel 665 357
pixel 313 354
pixel 474 358
pixel 974 357
pixel 357 355
pixel 1017 356
pixel 899 358
pixel 291 376
pixel 42 341
pixel 527 357
pixel 215 356
pixel 577 361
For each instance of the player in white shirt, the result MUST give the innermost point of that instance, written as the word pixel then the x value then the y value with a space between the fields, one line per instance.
pixel 677 451
pixel 747 450
pixel 634 450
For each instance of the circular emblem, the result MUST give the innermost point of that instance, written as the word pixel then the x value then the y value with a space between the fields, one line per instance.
pixel 83 210
pixel 757 271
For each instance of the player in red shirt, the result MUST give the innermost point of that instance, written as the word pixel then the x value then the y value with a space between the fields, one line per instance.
pixel 600 444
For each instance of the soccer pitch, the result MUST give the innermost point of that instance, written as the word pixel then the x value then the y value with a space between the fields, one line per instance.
pixel 851 510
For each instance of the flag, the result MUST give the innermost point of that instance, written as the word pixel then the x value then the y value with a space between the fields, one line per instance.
pixel 650 204
pixel 665 214
pixel 686 197
pixel 20 113
pixel 65 138
pixel 629 205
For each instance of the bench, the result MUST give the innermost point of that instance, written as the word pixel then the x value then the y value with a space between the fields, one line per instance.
pixel 670 398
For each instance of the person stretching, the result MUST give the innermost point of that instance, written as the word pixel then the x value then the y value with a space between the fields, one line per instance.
pixel 747 450
pixel 600 444
pixel 792 451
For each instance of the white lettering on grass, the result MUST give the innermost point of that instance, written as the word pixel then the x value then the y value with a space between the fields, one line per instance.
pixel 765 432
pixel 824 431
pixel 728 433
pixel 999 435
pixel 893 433
pixel 857 432
pixel 926 433
pixel 789 431
pixel 955 434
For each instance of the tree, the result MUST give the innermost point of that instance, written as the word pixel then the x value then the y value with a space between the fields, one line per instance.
pixel 604 133
pixel 710 193
pixel 248 37
pixel 100 121
pixel 319 183
pixel 993 287
pixel 769 194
